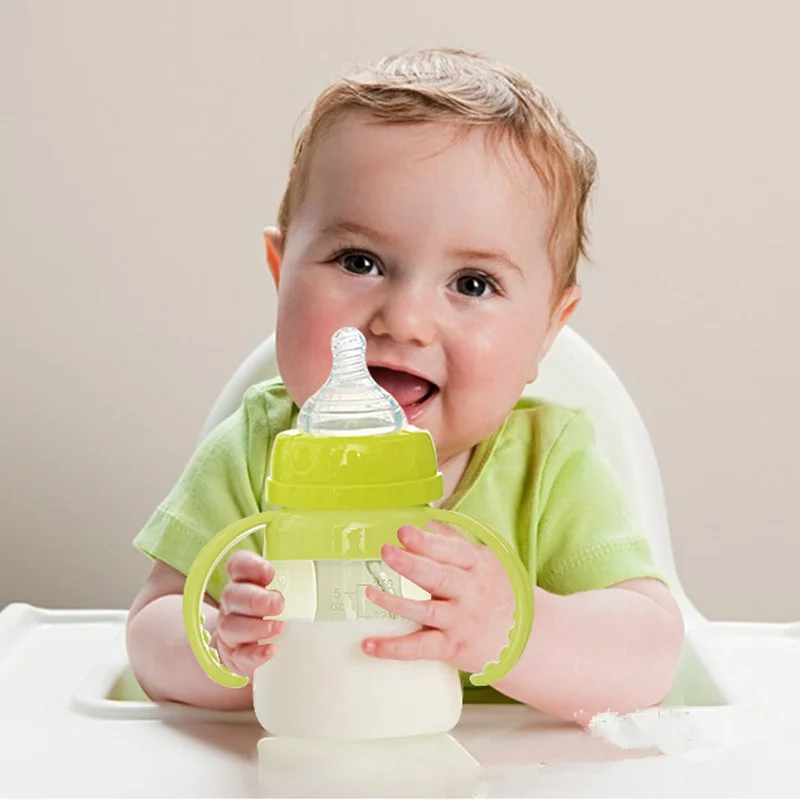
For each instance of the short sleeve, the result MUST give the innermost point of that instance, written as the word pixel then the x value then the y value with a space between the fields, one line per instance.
pixel 222 483
pixel 587 536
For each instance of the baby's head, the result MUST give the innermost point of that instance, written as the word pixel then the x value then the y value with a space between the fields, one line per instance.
pixel 436 202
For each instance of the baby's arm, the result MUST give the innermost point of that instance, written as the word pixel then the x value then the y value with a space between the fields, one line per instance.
pixel 158 648
pixel 611 649
pixel 607 649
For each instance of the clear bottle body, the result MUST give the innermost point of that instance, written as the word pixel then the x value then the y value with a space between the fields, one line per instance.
pixel 320 684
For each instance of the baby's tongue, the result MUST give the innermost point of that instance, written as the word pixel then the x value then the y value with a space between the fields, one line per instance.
pixel 406 389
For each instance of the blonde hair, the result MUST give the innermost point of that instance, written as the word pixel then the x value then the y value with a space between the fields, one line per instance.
pixel 466 89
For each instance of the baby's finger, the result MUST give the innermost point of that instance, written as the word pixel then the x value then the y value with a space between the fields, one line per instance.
pixel 225 653
pixel 442 529
pixel 431 613
pixel 249 657
pixel 235 630
pixel 246 566
pixel 440 580
pixel 445 549
pixel 246 659
pixel 251 600
pixel 422 645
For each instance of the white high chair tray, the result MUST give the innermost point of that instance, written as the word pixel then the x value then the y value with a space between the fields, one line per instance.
pixel 75 724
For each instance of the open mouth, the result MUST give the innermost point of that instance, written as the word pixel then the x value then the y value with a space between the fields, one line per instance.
pixel 412 392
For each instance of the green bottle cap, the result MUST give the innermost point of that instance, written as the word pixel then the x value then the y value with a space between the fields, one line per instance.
pixel 353 447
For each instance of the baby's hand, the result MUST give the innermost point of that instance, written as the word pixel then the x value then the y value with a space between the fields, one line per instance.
pixel 241 624
pixel 467 620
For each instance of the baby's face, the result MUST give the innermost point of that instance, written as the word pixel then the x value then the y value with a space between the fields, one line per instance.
pixel 435 250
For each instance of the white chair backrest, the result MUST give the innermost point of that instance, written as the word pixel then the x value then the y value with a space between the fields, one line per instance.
pixel 573 374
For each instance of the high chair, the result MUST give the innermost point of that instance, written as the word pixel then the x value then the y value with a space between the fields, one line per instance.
pixel 77 723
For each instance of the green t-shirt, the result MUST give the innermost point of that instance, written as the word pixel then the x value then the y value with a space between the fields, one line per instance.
pixel 540 481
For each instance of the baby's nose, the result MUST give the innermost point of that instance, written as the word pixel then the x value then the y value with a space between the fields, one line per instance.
pixel 406 316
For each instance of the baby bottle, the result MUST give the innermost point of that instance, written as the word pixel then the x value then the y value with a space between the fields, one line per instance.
pixel 342 484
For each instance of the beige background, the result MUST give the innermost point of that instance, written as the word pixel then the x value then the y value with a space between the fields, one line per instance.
pixel 143 146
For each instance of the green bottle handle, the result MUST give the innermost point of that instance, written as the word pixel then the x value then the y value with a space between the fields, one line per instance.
pixel 195 590
pixel 216 549
pixel 520 631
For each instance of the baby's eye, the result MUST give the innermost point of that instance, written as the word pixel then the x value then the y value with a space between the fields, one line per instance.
pixel 358 263
pixel 475 285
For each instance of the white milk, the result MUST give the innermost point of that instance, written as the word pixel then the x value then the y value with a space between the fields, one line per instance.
pixel 320 685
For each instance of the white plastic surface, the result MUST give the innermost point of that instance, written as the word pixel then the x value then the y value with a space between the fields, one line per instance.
pixel 74 724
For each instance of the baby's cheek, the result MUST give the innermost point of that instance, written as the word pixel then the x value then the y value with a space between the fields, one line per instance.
pixel 304 355
pixel 471 409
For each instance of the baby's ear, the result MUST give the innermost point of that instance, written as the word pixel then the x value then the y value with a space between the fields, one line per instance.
pixel 561 316
pixel 273 248
pixel 566 308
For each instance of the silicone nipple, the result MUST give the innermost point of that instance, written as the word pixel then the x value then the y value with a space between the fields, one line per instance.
pixel 350 403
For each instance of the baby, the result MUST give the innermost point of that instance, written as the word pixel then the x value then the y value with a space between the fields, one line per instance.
pixel 436 202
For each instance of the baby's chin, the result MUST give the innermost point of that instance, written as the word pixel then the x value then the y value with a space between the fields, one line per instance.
pixel 297 397
pixel 456 433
